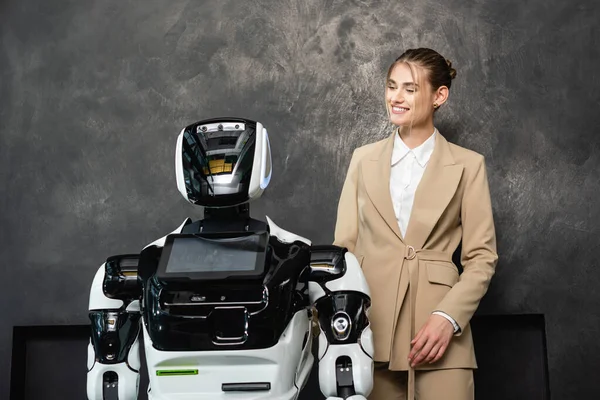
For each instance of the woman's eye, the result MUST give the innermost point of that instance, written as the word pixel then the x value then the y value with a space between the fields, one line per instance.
pixel 410 90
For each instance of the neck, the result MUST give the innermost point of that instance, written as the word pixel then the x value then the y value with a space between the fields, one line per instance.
pixel 416 135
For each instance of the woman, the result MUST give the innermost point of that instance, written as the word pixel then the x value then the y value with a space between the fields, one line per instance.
pixel 407 203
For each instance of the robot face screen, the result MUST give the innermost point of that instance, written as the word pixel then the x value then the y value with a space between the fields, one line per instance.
pixel 217 162
pixel 213 256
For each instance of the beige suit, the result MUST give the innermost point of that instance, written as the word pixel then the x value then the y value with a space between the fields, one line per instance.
pixel 412 276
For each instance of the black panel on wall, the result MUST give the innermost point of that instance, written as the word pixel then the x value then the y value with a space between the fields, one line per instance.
pixel 512 357
pixel 49 361
pixel 93 95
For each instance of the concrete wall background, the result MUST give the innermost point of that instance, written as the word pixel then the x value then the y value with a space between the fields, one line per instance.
pixel 93 95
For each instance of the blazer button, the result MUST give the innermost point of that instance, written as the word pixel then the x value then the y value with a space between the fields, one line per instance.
pixel 410 253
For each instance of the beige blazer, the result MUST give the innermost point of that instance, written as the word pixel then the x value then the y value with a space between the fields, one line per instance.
pixel 410 277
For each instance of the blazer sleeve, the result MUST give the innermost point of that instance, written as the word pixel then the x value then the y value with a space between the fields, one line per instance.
pixel 479 255
pixel 346 226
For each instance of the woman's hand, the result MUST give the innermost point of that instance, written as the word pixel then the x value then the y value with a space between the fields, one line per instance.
pixel 431 342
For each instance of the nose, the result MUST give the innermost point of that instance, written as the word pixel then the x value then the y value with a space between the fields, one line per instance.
pixel 396 97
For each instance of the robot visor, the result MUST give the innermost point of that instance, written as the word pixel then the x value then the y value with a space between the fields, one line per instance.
pixel 223 163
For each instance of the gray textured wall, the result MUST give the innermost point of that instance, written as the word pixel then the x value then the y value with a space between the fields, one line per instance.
pixel 94 93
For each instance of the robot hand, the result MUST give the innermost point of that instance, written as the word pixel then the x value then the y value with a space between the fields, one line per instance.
pixel 341 296
pixel 113 351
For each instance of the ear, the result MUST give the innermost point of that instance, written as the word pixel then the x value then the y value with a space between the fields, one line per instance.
pixel 441 95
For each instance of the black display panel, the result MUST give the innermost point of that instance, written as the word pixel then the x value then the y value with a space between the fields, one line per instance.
pixel 213 256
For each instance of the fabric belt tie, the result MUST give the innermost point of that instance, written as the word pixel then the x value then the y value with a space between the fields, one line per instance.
pixel 410 255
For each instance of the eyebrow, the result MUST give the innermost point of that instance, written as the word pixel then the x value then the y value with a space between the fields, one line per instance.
pixel 404 83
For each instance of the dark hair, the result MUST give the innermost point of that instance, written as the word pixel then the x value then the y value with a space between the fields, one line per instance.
pixel 439 70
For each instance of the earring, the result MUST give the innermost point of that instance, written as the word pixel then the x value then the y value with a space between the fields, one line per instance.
pixel 436 106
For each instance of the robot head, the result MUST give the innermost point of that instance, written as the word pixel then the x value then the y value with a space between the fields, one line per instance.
pixel 223 162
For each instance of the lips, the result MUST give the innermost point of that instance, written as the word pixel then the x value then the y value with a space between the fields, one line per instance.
pixel 399 110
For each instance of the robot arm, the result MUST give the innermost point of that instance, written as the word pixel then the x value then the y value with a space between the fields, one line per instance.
pixel 114 311
pixel 113 352
pixel 341 296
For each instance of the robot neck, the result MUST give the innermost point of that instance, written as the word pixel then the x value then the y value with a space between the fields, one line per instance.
pixel 227 219
pixel 221 214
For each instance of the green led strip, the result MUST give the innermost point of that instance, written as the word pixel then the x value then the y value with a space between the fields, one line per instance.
pixel 176 372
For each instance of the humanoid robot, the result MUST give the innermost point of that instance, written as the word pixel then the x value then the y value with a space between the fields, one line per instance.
pixel 226 304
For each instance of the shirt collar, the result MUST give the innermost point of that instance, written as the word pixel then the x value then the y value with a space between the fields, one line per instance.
pixel 422 152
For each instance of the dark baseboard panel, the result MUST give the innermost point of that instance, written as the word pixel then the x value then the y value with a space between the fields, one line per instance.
pixel 512 357
pixel 511 353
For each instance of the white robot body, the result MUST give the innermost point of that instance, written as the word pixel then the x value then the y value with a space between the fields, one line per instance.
pixel 126 387
pixel 362 375
pixel 354 280
pixel 98 300
pixel 241 326
pixel 284 367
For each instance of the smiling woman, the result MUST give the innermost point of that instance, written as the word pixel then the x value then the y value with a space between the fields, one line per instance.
pixel 418 83
pixel 407 203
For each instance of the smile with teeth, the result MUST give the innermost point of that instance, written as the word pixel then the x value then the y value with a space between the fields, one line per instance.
pixel 399 110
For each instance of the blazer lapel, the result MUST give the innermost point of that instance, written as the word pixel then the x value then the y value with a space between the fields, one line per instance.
pixel 376 174
pixel 436 189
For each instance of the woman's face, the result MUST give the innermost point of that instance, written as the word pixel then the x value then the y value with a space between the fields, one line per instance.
pixel 409 102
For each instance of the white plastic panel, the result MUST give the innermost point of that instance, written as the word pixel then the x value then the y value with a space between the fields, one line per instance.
pixel 315 292
pixel 161 242
pixel 254 191
pixel 362 369
pixel 283 235
pixel 353 279
pixel 129 381
pixel 278 365
pixel 179 166
pixel 98 301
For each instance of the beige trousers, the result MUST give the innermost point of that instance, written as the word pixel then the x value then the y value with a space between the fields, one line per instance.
pixel 442 384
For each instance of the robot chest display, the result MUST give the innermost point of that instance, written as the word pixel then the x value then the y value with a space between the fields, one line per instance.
pixel 235 314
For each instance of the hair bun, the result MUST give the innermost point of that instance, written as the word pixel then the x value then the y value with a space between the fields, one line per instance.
pixel 451 70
